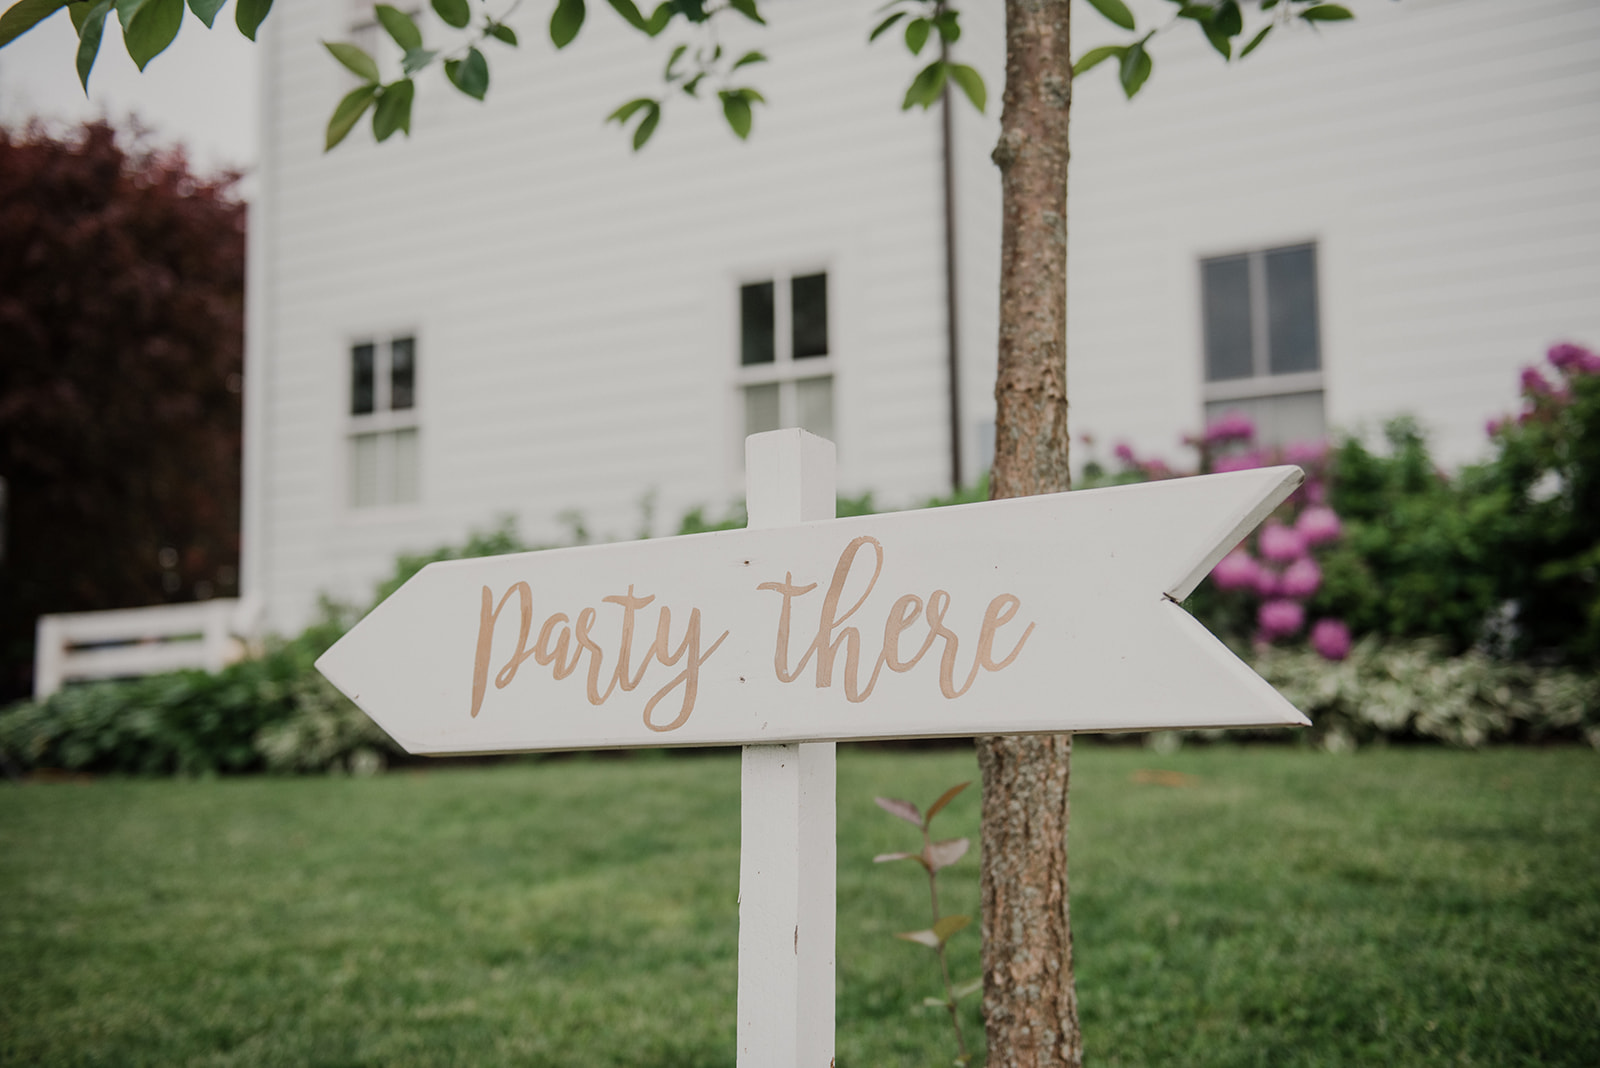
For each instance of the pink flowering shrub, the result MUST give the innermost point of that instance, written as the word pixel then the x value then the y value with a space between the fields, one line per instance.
pixel 1503 555
pixel 1263 589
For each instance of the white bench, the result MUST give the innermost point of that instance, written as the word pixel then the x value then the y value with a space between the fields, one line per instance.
pixel 129 642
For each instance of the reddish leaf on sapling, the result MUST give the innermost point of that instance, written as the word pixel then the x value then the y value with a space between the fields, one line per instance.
pixel 904 809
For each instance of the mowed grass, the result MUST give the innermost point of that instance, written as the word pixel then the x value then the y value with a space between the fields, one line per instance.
pixel 1232 906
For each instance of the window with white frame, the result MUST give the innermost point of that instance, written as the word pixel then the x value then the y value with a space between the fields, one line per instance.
pixel 786 366
pixel 383 423
pixel 1263 354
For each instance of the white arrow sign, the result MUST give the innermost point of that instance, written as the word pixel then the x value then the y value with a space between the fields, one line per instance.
pixel 1038 614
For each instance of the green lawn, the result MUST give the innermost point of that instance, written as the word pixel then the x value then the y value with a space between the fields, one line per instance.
pixel 1265 906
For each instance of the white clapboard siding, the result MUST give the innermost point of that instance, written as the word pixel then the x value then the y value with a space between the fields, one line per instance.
pixel 1443 155
pixel 575 304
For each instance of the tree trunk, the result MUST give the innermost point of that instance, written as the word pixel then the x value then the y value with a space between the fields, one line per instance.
pixel 1030 1003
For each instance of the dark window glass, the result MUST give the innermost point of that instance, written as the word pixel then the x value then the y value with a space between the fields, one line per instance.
pixel 1292 310
pixel 362 379
pixel 809 299
pixel 756 327
pixel 1225 296
pixel 402 373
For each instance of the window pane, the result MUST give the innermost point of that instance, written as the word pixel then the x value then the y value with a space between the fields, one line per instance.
pixel 402 467
pixel 755 324
pixel 814 398
pixel 1225 299
pixel 1292 310
pixel 364 470
pixel 1281 420
pixel 402 373
pixel 809 300
pixel 761 409
pixel 361 379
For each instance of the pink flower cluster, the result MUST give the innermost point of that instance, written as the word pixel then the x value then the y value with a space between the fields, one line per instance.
pixel 1542 399
pixel 1282 572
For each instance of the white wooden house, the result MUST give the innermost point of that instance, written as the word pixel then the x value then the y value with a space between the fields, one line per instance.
pixel 512 313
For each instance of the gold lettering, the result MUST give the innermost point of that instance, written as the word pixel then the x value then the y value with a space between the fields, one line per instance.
pixel 596 657
pixel 780 658
pixel 486 621
pixel 832 636
pixel 629 604
pixel 544 656
pixel 938 604
pixel 1001 610
pixel 689 676
pixel 828 651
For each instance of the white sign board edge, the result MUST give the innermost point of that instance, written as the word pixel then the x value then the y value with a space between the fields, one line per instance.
pixel 1094 573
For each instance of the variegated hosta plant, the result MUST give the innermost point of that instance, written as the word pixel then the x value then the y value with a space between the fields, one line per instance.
pixel 934 856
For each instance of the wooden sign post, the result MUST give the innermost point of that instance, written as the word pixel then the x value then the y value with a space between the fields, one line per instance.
pixel 1032 615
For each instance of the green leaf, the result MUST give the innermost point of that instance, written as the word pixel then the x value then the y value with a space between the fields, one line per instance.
pixel 206 10
pixel 917 34
pixel 1257 39
pixel 971 83
pixel 501 32
pixel 1115 10
pixel 949 925
pixel 647 125
pixel 565 22
pixel 1268 5
pixel 1095 56
pixel 630 13
pixel 926 86
pixel 692 86
pixel 416 59
pixel 747 59
pixel 950 794
pixel 355 60
pixel 89 34
pixel 127 9
pixel 747 8
pixel 394 109
pixel 77 11
pixel 672 61
pixel 1326 13
pixel 949 26
pixel 625 112
pixel 1135 69
pixel 469 74
pixel 736 109
pixel 1227 20
pixel 24 15
pixel 660 17
pixel 456 13
pixel 348 113
pixel 151 28
pixel 1219 40
pixel 883 27
pixel 249 14
pixel 399 26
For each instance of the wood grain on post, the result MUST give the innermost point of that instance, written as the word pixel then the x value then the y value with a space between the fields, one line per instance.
pixel 1030 999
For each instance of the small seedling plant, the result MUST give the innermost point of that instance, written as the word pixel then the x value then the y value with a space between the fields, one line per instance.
pixel 935 856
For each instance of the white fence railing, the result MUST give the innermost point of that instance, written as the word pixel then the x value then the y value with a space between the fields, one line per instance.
pixel 140 641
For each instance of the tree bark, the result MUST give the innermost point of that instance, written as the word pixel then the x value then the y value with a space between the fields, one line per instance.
pixel 1030 1002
